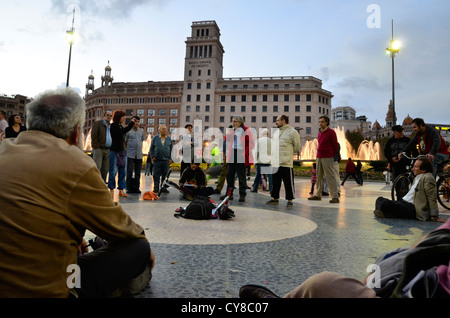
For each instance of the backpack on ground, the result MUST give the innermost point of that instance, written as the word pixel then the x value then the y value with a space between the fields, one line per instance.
pixel 199 209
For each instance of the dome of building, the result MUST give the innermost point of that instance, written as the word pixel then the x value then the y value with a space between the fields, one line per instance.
pixel 407 121
pixel 376 125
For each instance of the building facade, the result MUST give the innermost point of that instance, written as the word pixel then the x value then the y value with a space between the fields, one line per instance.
pixel 14 105
pixel 345 118
pixel 208 100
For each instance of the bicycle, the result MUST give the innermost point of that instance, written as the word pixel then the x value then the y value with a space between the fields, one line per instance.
pixel 403 182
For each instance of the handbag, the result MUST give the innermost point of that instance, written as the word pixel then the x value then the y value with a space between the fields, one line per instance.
pixel 120 158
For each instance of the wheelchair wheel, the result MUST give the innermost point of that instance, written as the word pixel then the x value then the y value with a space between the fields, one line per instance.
pixel 443 190
pixel 400 187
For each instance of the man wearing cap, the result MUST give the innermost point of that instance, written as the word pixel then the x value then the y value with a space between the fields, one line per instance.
pixel 394 146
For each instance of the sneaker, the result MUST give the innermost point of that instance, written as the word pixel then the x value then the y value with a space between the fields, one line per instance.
pixel 273 201
pixel 241 199
pixel 334 200
pixel 164 190
pixel 315 198
pixel 122 193
pixel 290 204
pixel 325 194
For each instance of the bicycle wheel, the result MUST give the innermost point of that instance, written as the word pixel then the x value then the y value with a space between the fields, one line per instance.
pixel 400 187
pixel 443 187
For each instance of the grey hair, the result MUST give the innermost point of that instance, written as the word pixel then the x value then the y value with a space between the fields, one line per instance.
pixel 57 112
pixel 239 119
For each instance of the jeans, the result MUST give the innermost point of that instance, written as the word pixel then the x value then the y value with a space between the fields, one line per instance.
pixel 440 157
pixel 258 176
pixel 160 170
pixel 113 169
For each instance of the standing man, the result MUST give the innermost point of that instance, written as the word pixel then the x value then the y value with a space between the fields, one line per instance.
pixel 327 148
pixel 287 143
pixel 134 139
pixel 239 146
pixel 101 142
pixel 430 143
pixel 161 154
pixel 394 146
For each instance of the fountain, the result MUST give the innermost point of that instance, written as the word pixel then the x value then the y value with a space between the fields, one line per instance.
pixel 367 150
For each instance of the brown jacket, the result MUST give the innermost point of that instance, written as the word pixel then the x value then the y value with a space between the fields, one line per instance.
pixel 98 134
pixel 50 193
pixel 425 198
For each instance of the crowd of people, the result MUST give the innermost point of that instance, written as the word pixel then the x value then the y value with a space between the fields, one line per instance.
pixel 48 208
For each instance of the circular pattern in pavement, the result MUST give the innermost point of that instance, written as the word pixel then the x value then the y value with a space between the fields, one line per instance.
pixel 250 225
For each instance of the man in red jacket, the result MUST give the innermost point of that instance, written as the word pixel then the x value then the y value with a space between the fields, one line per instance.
pixel 350 170
pixel 326 150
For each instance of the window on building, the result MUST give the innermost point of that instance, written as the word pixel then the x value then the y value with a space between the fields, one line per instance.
pixel 308 130
pixel 243 98
pixel 286 108
pixel 308 97
pixel 253 109
pixel 308 119
pixel 275 98
pixel 308 108
pixel 297 119
pixel 174 112
pixel 297 97
pixel 222 109
pixel 243 109
pixel 264 119
pixel 297 108
pixel 275 108
pixel 264 109
pixel 150 112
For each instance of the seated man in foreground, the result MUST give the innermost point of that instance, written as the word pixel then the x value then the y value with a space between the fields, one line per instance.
pixel 52 193
pixel 421 200
pixel 193 182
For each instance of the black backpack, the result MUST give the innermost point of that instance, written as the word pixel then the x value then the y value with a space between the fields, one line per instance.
pixel 199 209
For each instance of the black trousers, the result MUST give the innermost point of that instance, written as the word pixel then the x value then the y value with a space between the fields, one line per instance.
pixel 237 166
pixel 285 175
pixel 112 266
pixel 399 209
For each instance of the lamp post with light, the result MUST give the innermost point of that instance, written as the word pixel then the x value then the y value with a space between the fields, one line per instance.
pixel 70 36
pixel 393 48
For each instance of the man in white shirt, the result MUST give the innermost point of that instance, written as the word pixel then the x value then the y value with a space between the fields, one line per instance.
pixel 421 200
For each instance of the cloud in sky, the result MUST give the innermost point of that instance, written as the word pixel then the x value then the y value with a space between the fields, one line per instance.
pixel 328 39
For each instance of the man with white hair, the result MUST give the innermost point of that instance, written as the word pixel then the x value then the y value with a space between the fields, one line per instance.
pixel 54 194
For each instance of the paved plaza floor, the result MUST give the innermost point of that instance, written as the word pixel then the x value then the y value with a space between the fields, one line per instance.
pixel 275 246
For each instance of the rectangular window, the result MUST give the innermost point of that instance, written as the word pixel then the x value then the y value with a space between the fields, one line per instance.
pixel 162 112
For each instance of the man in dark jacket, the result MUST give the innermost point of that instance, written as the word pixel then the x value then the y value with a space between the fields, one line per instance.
pixel 101 142
pixel 394 146
pixel 161 156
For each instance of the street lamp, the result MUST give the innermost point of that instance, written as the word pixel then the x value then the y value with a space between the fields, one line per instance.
pixel 394 47
pixel 70 36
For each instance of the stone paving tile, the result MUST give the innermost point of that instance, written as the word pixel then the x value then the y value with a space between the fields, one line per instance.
pixel 274 246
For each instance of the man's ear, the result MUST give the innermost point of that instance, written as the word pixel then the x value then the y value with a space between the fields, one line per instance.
pixel 74 137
